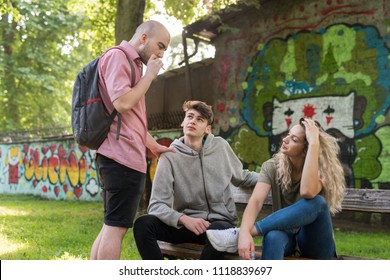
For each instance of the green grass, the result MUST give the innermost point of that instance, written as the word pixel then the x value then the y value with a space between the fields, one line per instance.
pixel 375 245
pixel 32 228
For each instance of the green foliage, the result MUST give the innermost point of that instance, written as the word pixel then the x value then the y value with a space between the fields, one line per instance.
pixel 38 64
pixel 43 43
pixel 98 30
pixel 192 10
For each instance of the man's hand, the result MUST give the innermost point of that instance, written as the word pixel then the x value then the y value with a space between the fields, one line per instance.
pixel 153 67
pixel 196 225
pixel 160 149
pixel 156 148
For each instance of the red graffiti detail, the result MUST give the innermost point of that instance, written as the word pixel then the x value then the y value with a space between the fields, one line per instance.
pixel 287 26
pixel 56 191
pixel 44 189
pixel 45 168
pixel 223 76
pixel 309 111
pixel 221 107
pixel 240 60
pixel 163 141
pixel 288 122
pixel 13 174
pixel 328 120
pixel 45 149
pixel 53 165
pixel 78 191
pixel 82 168
pixel 75 172
pixel 83 149
pixel 61 152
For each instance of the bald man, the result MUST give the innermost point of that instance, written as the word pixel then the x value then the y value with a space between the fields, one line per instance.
pixel 121 163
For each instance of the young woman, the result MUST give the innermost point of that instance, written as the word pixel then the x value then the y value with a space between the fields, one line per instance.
pixel 307 183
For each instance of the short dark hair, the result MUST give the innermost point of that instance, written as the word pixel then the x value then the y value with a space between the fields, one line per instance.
pixel 205 110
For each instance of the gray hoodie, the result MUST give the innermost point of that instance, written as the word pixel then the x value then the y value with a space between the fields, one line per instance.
pixel 198 184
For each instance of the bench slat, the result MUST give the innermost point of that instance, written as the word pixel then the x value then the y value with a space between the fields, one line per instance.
pixel 193 251
pixel 366 200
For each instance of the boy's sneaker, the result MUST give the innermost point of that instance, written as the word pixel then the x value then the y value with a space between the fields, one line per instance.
pixel 224 240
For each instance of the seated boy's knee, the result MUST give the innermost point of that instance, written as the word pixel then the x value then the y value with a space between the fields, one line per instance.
pixel 143 222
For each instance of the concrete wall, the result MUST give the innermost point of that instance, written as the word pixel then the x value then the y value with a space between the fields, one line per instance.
pixel 328 60
pixel 323 59
pixel 59 168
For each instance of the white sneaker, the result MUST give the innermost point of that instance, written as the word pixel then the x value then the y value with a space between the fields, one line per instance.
pixel 224 240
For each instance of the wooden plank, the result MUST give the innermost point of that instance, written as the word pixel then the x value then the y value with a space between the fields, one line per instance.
pixel 193 251
pixel 366 200
pixel 180 251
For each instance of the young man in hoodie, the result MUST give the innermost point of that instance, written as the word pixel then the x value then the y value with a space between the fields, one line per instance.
pixel 191 189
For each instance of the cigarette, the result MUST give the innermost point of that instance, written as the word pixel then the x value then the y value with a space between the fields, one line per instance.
pixel 162 67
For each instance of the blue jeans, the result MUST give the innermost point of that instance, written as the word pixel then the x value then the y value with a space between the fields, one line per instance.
pixel 306 224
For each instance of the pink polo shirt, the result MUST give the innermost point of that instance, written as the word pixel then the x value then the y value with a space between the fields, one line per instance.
pixel 115 81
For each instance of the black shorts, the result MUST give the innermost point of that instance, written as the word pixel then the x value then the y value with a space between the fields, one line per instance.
pixel 122 191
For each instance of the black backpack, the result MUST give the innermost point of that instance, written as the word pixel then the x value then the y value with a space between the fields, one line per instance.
pixel 90 119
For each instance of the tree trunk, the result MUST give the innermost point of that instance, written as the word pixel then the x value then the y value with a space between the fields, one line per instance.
pixel 8 81
pixel 129 15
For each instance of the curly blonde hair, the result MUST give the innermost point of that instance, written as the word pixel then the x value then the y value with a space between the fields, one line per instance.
pixel 329 167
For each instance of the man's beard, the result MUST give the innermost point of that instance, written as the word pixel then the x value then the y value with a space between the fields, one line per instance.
pixel 143 54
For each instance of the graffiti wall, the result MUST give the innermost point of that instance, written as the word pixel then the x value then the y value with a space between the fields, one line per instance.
pixel 59 169
pixel 327 60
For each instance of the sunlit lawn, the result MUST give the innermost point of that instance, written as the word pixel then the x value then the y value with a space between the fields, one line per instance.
pixel 32 228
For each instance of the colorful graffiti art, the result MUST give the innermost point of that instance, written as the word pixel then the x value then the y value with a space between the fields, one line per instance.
pixel 60 169
pixel 339 76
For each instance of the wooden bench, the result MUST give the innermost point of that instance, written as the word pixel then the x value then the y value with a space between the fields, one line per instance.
pixel 362 200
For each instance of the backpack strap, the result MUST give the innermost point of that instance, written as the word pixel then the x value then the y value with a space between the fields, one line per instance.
pixel 118 126
pixel 115 112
